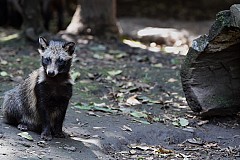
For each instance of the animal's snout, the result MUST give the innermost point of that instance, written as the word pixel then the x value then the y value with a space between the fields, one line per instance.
pixel 51 73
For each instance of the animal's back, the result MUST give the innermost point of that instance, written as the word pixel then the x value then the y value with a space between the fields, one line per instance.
pixel 19 105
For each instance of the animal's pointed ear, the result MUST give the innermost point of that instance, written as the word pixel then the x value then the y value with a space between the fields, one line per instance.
pixel 69 47
pixel 43 43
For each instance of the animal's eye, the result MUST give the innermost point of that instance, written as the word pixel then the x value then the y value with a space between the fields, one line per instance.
pixel 46 60
pixel 61 62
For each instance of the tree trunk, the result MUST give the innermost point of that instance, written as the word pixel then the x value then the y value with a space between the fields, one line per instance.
pixel 96 17
pixel 211 72
pixel 32 19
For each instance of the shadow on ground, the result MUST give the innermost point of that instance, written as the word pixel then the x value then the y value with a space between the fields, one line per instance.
pixel 127 104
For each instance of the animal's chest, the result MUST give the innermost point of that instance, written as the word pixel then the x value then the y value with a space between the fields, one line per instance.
pixel 55 91
pixel 59 91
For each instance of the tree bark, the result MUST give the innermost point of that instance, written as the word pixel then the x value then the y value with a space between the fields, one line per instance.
pixel 32 19
pixel 96 17
pixel 211 71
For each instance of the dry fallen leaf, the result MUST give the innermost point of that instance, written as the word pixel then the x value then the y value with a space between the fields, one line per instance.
pixel 138 114
pixel 114 72
pixel 210 145
pixel 202 122
pixel 132 100
pixel 195 141
pixel 171 80
pixel 97 128
pixel 90 113
pixel 70 148
pixel 132 151
pixel 25 135
pixel 164 151
pixel 126 128
pixel 158 65
pixel 143 147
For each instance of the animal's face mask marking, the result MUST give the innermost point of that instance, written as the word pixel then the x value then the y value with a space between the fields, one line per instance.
pixel 56 56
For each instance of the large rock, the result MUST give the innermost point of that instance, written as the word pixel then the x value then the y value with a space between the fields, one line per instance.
pixel 211 71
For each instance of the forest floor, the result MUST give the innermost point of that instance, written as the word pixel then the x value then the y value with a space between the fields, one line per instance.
pixel 128 103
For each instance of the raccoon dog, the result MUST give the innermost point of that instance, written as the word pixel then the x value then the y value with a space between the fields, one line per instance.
pixel 40 102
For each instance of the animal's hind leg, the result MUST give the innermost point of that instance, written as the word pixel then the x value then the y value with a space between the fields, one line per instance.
pixel 10 115
pixel 11 107
pixel 10 119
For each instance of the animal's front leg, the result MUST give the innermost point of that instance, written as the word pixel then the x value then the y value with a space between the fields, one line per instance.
pixel 43 100
pixel 58 121
pixel 45 119
pixel 57 130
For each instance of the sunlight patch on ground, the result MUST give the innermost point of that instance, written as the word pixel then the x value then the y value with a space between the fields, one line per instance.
pixel 135 44
pixel 88 142
pixel 153 47
pixel 182 50
pixel 9 37
pixel 164 32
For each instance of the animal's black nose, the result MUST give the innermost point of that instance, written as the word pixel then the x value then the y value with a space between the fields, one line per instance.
pixel 51 73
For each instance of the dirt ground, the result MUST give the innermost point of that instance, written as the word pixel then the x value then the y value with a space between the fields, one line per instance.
pixel 128 103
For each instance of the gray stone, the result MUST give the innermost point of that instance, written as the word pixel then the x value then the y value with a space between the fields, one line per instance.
pixel 211 72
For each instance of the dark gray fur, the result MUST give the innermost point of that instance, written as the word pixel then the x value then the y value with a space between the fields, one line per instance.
pixel 40 102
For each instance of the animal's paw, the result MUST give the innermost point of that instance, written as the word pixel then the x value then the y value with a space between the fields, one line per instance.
pixel 59 135
pixel 22 127
pixel 46 136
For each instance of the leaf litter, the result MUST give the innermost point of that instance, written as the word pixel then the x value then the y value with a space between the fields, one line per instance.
pixel 151 87
pixel 95 107
pixel 144 151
